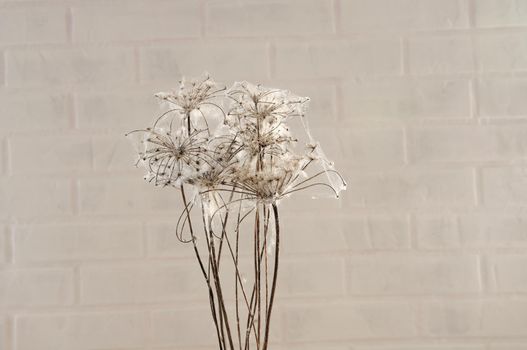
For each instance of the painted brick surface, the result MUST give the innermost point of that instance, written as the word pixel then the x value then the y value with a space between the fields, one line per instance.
pixel 135 20
pixel 33 25
pixel 421 104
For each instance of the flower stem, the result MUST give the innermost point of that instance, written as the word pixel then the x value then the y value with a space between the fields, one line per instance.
pixel 275 275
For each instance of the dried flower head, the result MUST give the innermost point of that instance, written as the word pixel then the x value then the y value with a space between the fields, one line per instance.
pixel 172 156
pixel 192 94
pixel 252 152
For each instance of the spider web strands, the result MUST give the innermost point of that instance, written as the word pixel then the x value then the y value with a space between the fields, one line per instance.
pixel 296 187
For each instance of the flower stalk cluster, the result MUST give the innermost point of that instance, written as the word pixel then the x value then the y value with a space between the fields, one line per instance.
pixel 232 156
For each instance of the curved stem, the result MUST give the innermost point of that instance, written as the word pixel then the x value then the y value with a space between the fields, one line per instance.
pixel 205 274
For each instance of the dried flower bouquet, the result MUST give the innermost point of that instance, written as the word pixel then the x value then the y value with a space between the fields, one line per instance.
pixel 232 156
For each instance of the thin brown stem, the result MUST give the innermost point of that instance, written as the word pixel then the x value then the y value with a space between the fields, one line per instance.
pixel 202 267
pixel 257 272
pixel 275 275
pixel 219 294
pixel 266 230
pixel 237 275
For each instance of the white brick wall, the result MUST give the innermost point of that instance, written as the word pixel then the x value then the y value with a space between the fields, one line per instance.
pixel 422 104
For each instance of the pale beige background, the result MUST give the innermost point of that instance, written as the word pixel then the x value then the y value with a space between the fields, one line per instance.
pixel 421 103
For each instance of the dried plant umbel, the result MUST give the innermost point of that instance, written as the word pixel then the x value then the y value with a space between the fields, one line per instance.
pixel 232 156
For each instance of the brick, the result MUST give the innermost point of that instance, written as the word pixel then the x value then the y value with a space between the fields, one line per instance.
pixel 427 346
pixel 440 55
pixel 467 143
pixel 501 97
pixel 368 320
pixel 144 283
pixel 115 110
pixel 170 63
pixel 504 186
pixel 264 18
pixel 162 241
pixel 55 154
pixel 322 111
pixel 508 273
pixel 481 230
pixel 437 318
pixel 4 243
pixel 183 327
pixel 33 25
pixel 22 198
pixel 501 52
pixel 373 147
pixel 82 330
pixel 304 234
pixel 4 332
pixel 439 231
pixel 179 328
pixel 411 188
pixel 491 230
pixel 185 348
pixel 376 232
pixel 114 152
pixel 51 67
pixel 74 242
pixel 36 287
pixel 126 195
pixel 2 69
pixel 325 59
pixel 20 108
pixel 4 156
pixel 500 13
pixel 314 347
pixel 387 232
pixel 508 346
pixel 136 20
pixel 317 276
pixel 401 274
pixel 478 318
pixel 364 15
pixel 399 99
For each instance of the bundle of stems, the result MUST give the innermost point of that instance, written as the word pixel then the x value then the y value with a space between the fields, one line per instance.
pixel 231 155
pixel 237 332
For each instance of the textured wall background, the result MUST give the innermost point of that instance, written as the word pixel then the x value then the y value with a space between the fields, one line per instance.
pixel 422 104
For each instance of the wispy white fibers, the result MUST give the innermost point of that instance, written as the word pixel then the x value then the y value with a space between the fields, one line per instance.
pixel 215 140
